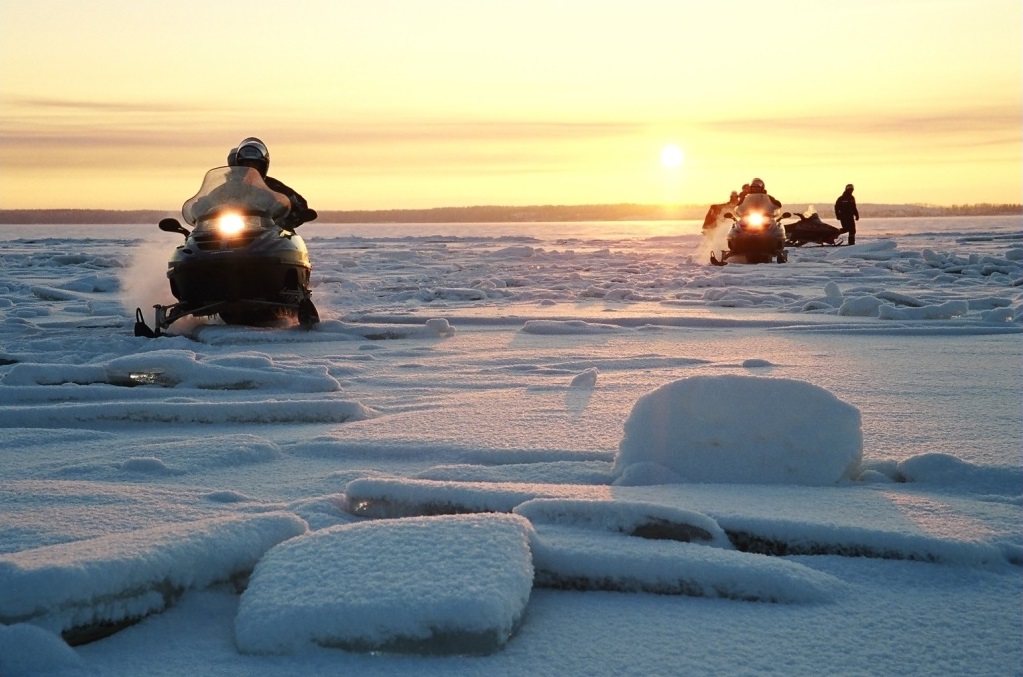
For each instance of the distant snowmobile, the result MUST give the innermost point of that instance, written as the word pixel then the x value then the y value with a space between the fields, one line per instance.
pixel 756 234
pixel 242 260
pixel 810 228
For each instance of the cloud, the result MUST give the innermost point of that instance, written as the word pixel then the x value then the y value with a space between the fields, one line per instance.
pixel 92 106
pixel 49 122
pixel 985 125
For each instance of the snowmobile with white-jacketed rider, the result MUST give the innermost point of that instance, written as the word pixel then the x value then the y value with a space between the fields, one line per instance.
pixel 756 234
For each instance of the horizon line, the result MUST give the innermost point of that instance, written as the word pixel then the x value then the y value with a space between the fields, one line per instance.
pixel 644 205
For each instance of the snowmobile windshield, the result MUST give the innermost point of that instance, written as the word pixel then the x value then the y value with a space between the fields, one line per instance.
pixel 756 202
pixel 236 191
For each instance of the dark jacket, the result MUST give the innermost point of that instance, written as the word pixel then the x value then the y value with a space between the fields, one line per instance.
pixel 845 208
pixel 300 212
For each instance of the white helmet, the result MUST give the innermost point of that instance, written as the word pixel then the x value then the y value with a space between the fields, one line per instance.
pixel 252 152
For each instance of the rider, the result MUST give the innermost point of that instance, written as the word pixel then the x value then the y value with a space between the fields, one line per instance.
pixel 744 192
pixel 758 199
pixel 711 220
pixel 252 152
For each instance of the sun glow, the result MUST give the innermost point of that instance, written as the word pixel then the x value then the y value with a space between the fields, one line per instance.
pixel 672 156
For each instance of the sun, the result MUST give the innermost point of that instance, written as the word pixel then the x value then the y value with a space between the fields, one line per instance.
pixel 672 156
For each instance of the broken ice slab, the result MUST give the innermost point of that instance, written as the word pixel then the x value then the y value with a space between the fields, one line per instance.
pixel 86 589
pixel 453 584
pixel 389 497
pixel 574 558
pixel 632 518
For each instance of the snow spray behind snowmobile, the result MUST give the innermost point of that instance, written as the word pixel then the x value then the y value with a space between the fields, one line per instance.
pixel 756 234
pixel 242 260
pixel 810 228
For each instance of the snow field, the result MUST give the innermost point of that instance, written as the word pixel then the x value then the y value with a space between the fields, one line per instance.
pixel 474 391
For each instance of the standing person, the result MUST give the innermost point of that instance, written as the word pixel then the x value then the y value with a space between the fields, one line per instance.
pixel 846 213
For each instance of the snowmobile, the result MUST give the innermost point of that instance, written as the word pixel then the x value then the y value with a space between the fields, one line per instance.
pixel 242 260
pixel 756 233
pixel 810 228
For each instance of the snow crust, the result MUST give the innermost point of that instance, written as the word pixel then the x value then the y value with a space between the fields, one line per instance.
pixel 545 453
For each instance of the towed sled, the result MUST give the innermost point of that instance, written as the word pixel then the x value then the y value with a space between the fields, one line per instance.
pixel 242 260
pixel 810 229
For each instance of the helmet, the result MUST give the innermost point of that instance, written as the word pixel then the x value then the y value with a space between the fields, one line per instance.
pixel 849 187
pixel 252 152
pixel 757 186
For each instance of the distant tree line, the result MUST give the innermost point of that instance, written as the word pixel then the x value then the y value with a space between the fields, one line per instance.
pixel 88 216
pixel 507 214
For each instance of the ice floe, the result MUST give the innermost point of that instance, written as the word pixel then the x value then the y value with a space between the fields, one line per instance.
pixel 84 587
pixel 433 585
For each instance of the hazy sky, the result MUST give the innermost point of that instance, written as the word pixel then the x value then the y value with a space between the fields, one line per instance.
pixel 369 104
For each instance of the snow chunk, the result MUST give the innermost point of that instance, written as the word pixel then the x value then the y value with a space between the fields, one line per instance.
pixel 947 470
pixel 943 311
pixel 578 559
pixel 586 379
pixel 756 363
pixel 29 650
pixel 567 327
pixel 876 250
pixel 175 369
pixel 860 306
pixel 441 326
pixel 432 585
pixel 147 464
pixel 646 520
pixel 744 429
pixel 73 587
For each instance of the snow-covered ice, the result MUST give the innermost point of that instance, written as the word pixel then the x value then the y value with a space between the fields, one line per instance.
pixel 521 449
pixel 73 586
pixel 435 585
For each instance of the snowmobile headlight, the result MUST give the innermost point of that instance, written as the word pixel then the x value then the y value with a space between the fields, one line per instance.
pixel 230 224
pixel 755 220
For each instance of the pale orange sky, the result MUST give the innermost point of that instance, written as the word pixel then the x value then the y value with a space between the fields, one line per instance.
pixel 373 104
